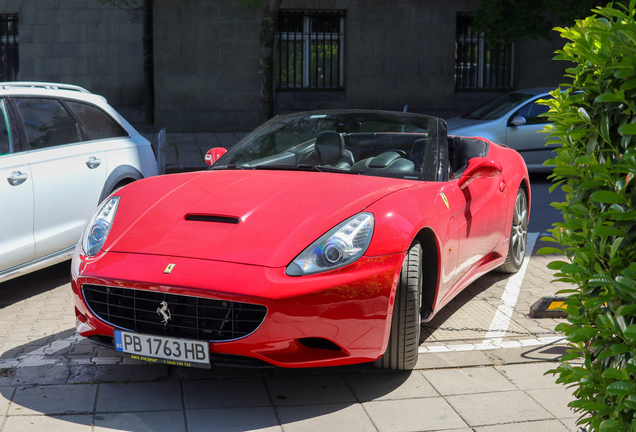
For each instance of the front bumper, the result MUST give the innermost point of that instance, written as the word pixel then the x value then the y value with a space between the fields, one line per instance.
pixel 335 318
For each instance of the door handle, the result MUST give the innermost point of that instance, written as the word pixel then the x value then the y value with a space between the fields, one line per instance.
pixel 17 178
pixel 93 162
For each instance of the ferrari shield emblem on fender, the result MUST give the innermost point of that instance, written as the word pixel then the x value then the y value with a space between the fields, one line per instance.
pixel 445 199
pixel 169 268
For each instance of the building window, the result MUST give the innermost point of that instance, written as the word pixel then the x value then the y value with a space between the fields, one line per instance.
pixel 478 65
pixel 309 46
pixel 9 48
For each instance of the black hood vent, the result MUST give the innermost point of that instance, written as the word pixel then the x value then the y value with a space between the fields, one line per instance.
pixel 211 218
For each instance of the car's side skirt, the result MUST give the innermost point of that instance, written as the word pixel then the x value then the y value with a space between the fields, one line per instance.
pixel 38 264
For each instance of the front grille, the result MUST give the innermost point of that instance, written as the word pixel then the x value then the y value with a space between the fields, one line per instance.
pixel 191 317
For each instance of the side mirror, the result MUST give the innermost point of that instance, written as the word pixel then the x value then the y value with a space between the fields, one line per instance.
pixel 214 154
pixel 479 167
pixel 518 121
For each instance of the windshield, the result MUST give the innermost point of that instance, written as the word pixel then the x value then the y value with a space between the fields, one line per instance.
pixel 497 107
pixel 380 143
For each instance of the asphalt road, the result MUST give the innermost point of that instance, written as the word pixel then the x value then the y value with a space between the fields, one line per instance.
pixel 542 214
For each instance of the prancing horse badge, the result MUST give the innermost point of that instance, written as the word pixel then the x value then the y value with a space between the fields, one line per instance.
pixel 169 268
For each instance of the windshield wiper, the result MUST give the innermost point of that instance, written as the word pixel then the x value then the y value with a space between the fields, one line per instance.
pixel 231 166
pixel 304 167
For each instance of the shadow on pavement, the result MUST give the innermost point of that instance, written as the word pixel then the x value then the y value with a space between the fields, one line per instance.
pixel 71 385
pixel 32 284
pixel 484 283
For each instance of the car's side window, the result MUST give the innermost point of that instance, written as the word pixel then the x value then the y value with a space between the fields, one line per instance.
pixel 47 123
pixel 532 111
pixel 97 123
pixel 6 145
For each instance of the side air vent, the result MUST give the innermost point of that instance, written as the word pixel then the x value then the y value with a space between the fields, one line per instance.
pixel 210 218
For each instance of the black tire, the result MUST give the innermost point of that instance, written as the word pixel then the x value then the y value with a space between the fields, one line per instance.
pixel 404 340
pixel 518 235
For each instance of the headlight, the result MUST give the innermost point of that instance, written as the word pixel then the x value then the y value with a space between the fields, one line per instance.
pixel 341 246
pixel 98 227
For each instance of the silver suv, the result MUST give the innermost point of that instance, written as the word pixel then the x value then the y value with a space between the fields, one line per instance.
pixel 62 151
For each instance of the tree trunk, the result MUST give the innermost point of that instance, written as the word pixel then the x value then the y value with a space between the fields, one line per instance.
pixel 266 59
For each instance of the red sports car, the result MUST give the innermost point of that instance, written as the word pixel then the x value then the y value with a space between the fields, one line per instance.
pixel 322 238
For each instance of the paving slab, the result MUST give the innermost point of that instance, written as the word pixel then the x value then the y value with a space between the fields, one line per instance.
pixel 6 395
pixel 389 385
pixel 467 380
pixel 497 408
pixel 455 359
pixel 535 426
pixel 172 421
pixel 310 390
pixel 136 372
pixel 46 374
pixel 429 414
pixel 327 417
pixel 530 376
pixel 65 423
pixel 261 419
pixel 56 399
pixel 230 393
pixel 571 425
pixel 130 397
pixel 555 401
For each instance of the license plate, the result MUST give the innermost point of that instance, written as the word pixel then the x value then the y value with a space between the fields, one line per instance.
pixel 161 349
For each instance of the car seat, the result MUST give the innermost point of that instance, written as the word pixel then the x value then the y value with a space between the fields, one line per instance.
pixel 330 147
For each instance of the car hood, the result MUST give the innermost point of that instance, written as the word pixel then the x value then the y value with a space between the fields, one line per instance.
pixel 243 216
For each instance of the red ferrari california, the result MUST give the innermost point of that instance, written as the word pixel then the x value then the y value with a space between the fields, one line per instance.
pixel 322 238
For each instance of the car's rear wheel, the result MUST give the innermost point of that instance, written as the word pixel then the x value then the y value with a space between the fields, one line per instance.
pixel 404 340
pixel 518 235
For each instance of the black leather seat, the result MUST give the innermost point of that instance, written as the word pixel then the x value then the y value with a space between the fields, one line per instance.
pixel 330 147
pixel 388 162
pixel 423 155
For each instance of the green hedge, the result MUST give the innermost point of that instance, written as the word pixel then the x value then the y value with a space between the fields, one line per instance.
pixel 595 123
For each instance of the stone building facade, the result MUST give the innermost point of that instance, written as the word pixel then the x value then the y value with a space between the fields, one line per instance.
pixel 392 53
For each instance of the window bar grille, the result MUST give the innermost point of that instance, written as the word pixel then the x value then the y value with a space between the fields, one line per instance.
pixel 309 50
pixel 9 66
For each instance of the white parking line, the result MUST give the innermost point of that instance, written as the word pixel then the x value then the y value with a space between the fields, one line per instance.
pixel 501 321
pixel 487 345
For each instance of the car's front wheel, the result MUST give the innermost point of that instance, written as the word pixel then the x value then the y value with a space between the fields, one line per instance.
pixel 518 235
pixel 404 340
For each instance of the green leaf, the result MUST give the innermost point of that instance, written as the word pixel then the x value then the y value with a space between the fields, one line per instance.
pixel 582 334
pixel 612 425
pixel 616 374
pixel 609 97
pixel 556 265
pixel 550 250
pixel 628 129
pixel 615 246
pixel 620 388
pixel 607 197
pixel 605 128
pixel 630 332
pixel 590 184
pixel 629 84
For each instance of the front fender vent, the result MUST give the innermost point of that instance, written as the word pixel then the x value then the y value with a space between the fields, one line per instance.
pixel 212 218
